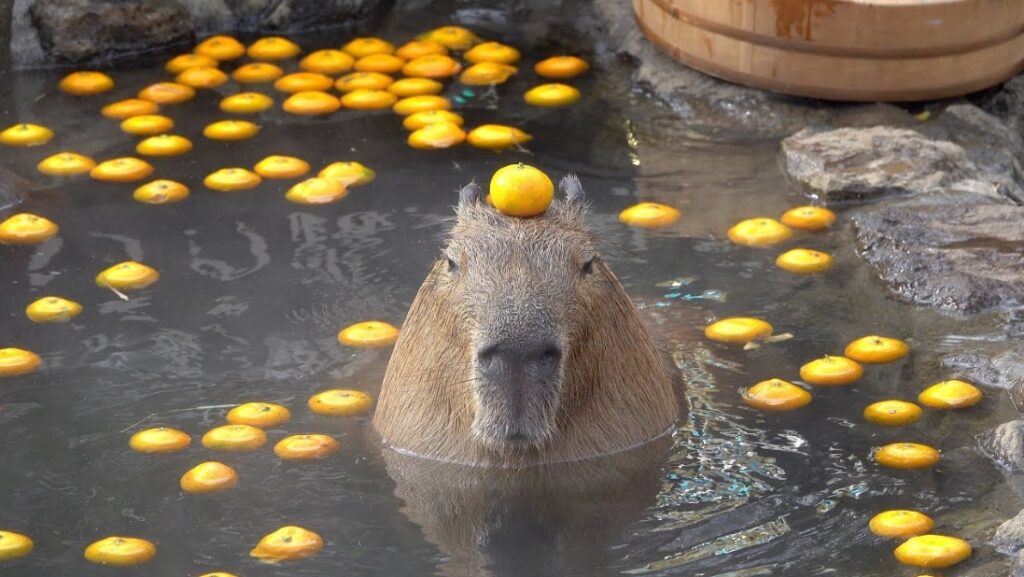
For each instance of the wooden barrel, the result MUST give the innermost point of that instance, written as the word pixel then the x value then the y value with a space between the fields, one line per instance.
pixel 867 50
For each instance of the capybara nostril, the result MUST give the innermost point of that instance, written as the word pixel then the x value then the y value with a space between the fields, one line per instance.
pixel 509 359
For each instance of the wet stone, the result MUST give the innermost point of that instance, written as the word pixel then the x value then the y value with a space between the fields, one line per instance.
pixel 966 254
pixel 281 15
pixel 1005 445
pixel 1002 370
pixel 87 31
pixel 965 474
pixel 1009 537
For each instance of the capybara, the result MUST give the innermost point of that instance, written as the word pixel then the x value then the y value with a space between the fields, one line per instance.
pixel 522 348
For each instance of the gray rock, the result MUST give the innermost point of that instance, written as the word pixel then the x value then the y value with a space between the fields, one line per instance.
pixel 858 164
pixel 1006 103
pixel 97 31
pixel 1002 370
pixel 712 106
pixel 964 474
pixel 1018 565
pixel 213 16
pixel 1005 445
pixel 1009 537
pixel 957 255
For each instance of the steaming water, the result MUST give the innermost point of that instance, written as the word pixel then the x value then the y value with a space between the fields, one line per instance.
pixel 254 289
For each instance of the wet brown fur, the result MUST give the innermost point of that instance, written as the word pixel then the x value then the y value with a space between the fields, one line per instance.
pixel 616 390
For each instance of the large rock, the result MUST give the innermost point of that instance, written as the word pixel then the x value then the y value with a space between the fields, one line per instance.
pixel 959 255
pixel 1009 537
pixel 1001 370
pixel 97 31
pixel 281 15
pixel 1005 445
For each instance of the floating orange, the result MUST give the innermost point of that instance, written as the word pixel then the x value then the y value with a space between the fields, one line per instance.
pixel 487 73
pixel 128 275
pixel 164 145
pixel 66 164
pixel 120 551
pixel 649 215
pixel 453 37
pixel 272 48
pixel 203 77
pixel 892 413
pixel 221 47
pixel 369 334
pixel 933 551
pixel 900 524
pixel 159 440
pixel 340 403
pixel 874 349
pixel 27 228
pixel 303 81
pixel 259 414
pixel 311 103
pixel 738 330
pixel 316 191
pixel 129 107
pixel 521 190
pixel 125 169
pixel 551 95
pixel 416 48
pixel 954 394
pixel 492 52
pixel 147 124
pixel 414 104
pixel 436 135
pixel 363 99
pixel 561 67
pixel 804 261
pixel 367 46
pixel 306 447
pixel 831 371
pixel 26 135
pixel 232 179
pixel 383 63
pixel 906 456
pixel 86 83
pixel 183 62
pixel 257 73
pixel 432 66
pixel 406 87
pixel 759 232
pixel 327 61
pixel 161 191
pixel 230 130
pixel 278 166
pixel 776 395
pixel 808 218
pixel 422 119
pixel 246 103
pixel 52 309
pixel 167 93
pixel 348 173
pixel 15 361
pixel 286 544
pixel 209 477
pixel 363 81
pixel 234 438
pixel 14 545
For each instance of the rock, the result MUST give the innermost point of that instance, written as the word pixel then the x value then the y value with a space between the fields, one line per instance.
pixel 1018 565
pixel 1005 445
pixel 1009 537
pixel 964 474
pixel 274 16
pixel 1006 103
pixel 100 31
pixel 952 253
pixel 858 164
pixel 709 105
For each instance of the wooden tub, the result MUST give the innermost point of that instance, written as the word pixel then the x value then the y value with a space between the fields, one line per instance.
pixel 868 50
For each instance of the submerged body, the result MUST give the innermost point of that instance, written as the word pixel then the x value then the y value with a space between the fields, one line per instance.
pixel 522 348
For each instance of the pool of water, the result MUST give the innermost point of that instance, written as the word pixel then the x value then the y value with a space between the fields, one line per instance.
pixel 254 289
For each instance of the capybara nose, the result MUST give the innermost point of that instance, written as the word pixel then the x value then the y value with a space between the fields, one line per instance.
pixel 541 360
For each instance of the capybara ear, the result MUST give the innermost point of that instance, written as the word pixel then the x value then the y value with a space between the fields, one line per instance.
pixel 469 195
pixel 572 189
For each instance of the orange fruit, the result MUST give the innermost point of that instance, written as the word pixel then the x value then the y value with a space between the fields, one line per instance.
pixel 416 48
pixel 432 66
pixel 933 551
pixel 86 83
pixel 129 107
pixel 369 334
pixel 362 99
pixel 561 67
pixel 423 119
pixel 804 261
pixel 453 37
pixel 232 179
pixel 367 46
pixel 492 52
pixel 831 371
pixel 209 477
pixel 278 166
pixel 126 169
pixel 272 48
pixel 26 228
pixel 159 440
pixel 161 191
pixel 892 413
pixel 327 61
pixel 954 394
pixel 66 164
pixel 649 215
pixel 311 103
pixel 258 414
pixel 257 73
pixel 221 47
pixel 234 438
pixel 551 95
pixel 183 62
pixel 348 173
pixel 287 543
pixel 738 330
pixel 246 103
pixel 487 73
pixel 306 447
pixel 15 361
pixel 521 190
pixel 340 403
pixel 759 232
pixel 14 545
pixel 406 87
pixel 167 93
pixel 874 349
pixel 436 135
pixel 776 395
pixel 363 81
pixel 147 124
pixel 231 130
pixel 52 309
pixel 906 456
pixel 127 275
pixel 26 135
pixel 383 63
pixel 303 81
pixel 808 218
pixel 900 524
pixel 164 145
pixel 120 551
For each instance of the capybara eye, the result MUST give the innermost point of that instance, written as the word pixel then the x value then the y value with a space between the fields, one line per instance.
pixel 588 267
pixel 452 266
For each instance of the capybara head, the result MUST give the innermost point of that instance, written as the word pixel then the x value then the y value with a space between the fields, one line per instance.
pixel 519 336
